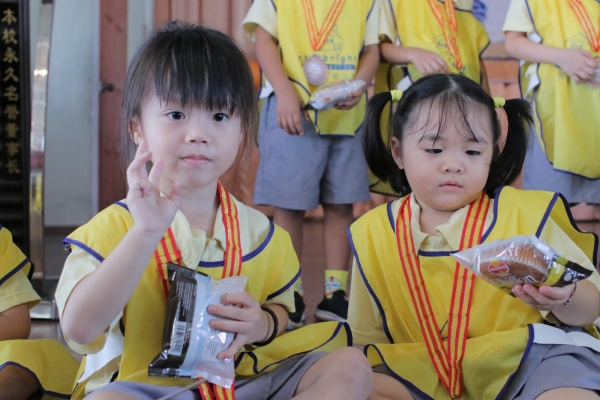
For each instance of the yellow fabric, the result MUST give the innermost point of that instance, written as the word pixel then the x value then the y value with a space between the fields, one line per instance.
pixel 271 271
pixel 356 27
pixel 47 360
pixel 498 332
pixel 562 107
pixel 517 18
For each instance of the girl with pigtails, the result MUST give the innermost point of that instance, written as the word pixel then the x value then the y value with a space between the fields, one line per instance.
pixel 431 328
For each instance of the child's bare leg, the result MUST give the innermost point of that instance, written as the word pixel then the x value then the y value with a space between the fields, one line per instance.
pixel 292 221
pixel 343 374
pixel 337 220
pixel 16 383
pixel 387 388
pixel 568 393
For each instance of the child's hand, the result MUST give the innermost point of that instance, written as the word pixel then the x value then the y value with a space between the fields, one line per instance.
pixel 352 100
pixel 289 107
pixel 151 212
pixel 578 64
pixel 248 321
pixel 545 298
pixel 427 62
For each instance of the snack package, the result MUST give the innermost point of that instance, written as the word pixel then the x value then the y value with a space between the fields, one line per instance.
pixel 329 95
pixel 519 260
pixel 190 345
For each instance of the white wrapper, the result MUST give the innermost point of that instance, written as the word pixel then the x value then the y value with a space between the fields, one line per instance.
pixel 329 95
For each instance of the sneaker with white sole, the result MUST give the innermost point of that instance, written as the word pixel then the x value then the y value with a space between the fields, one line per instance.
pixel 297 318
pixel 333 309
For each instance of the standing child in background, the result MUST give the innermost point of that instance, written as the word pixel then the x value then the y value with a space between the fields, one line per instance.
pixel 189 104
pixel 559 41
pixel 314 157
pixel 27 367
pixel 433 329
pixel 425 37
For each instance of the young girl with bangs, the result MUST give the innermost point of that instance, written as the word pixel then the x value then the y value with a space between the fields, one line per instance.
pixel 431 329
pixel 189 104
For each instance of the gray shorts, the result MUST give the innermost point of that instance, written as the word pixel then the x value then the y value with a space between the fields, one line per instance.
pixel 301 172
pixel 279 384
pixel 546 367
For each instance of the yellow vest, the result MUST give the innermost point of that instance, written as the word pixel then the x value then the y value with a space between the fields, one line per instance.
pixel 340 52
pixel 565 112
pixel 47 360
pixel 417 26
pixel 144 314
pixel 498 334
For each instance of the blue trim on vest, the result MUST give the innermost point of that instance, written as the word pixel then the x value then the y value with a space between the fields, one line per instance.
pixel 423 253
pixel 15 270
pixel 247 257
pixel 391 216
pixel 525 354
pixel 495 211
pixel 405 382
pixel 35 378
pixel 370 289
pixel 286 287
pixel 119 203
pixel 253 356
pixel 84 247
pixel 369 13
pixel 574 224
pixel 546 215
pixel 274 6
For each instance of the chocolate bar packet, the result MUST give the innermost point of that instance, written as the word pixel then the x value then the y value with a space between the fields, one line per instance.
pixel 190 345
pixel 520 260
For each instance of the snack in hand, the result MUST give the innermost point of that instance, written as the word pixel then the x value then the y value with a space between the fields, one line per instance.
pixel 520 260
pixel 329 95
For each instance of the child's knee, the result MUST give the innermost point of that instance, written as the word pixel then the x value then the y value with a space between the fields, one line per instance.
pixel 350 365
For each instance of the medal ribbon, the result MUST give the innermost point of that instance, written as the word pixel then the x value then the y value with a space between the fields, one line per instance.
pixel 168 252
pixel 587 24
pixel 318 36
pixel 446 359
pixel 450 30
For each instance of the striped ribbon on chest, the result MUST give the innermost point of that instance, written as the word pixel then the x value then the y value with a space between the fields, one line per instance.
pixel 450 29
pixel 319 36
pixel 168 252
pixel 446 358
pixel 586 22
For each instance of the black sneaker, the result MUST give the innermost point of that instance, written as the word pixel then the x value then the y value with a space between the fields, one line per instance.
pixel 333 309
pixel 297 318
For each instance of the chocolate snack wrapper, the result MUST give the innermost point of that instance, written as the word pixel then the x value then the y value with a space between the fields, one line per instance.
pixel 190 345
pixel 520 260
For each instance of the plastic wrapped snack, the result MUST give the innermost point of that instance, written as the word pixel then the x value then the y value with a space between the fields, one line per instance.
pixel 329 95
pixel 520 260
pixel 596 80
pixel 190 345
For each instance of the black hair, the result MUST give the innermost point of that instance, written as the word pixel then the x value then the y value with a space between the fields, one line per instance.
pixel 191 64
pixel 450 93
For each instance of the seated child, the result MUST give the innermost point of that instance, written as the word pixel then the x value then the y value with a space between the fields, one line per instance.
pixel 189 104
pixel 433 329
pixel 26 366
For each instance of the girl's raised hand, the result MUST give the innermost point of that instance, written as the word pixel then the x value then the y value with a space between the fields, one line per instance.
pixel 248 321
pixel 427 62
pixel 545 298
pixel 151 212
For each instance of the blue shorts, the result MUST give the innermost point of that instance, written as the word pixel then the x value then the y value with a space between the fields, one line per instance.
pixel 301 172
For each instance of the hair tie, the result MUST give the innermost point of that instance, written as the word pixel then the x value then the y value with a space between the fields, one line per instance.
pixel 396 94
pixel 499 103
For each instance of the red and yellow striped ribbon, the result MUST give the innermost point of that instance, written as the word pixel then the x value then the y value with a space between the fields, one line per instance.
pixel 587 24
pixel 318 36
pixel 168 252
pixel 446 359
pixel 450 30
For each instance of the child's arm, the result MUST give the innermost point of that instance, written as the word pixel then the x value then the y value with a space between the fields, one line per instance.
pixel 576 63
pixel 15 323
pixel 425 61
pixel 289 102
pixel 248 321
pixel 365 71
pixel 583 309
pixel 97 300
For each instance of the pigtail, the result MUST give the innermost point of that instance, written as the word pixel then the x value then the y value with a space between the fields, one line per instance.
pixel 377 153
pixel 509 163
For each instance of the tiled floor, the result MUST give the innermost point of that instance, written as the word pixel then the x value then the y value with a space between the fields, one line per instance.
pixel 313 260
